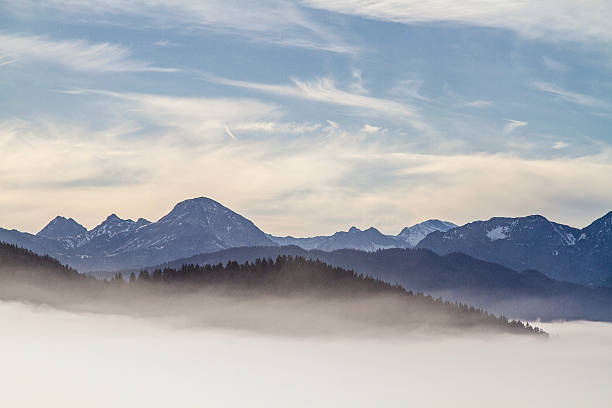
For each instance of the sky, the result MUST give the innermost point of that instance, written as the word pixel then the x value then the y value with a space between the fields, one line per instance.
pixel 306 117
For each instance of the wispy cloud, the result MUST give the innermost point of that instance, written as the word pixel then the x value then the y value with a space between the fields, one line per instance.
pixel 357 85
pixel 270 21
pixel 164 43
pixel 276 184
pixel 6 60
pixel 190 117
pixel 568 96
pixel 553 64
pixel 560 145
pixel 370 129
pixel 480 103
pixel 410 88
pixel 76 55
pixel 325 90
pixel 277 127
pixel 588 20
pixel 196 120
pixel 229 132
pixel 512 125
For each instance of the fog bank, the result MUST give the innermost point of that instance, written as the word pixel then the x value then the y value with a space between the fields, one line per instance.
pixel 53 358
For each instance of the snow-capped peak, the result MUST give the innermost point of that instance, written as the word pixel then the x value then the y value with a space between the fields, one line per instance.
pixel 413 235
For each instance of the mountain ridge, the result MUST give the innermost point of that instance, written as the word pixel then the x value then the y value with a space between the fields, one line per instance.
pixel 202 225
pixel 370 239
pixel 533 242
pixel 192 226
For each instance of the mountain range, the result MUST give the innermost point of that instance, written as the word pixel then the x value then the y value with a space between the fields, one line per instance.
pixel 368 240
pixel 202 225
pixel 194 226
pixel 533 242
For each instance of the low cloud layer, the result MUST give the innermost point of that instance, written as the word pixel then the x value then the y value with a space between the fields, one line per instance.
pixel 73 360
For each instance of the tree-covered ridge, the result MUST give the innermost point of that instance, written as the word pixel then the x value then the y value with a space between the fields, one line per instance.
pixel 15 260
pixel 288 275
pixel 286 295
pixel 527 295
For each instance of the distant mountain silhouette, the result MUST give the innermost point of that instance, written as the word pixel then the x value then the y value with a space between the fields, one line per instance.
pixel 367 240
pixel 202 225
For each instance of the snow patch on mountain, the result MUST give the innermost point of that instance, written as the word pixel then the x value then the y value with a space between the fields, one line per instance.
pixel 498 233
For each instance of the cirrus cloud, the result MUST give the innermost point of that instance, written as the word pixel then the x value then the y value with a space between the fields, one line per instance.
pixel 301 186
pixel 76 55
pixel 587 20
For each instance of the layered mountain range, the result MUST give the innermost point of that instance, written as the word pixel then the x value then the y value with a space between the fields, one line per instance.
pixel 194 226
pixel 202 225
pixel 287 296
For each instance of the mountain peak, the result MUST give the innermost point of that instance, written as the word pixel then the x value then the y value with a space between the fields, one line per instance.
pixel 354 230
pixel 62 227
pixel 195 208
pixel 413 235
pixel 601 228
pixel 142 221
pixel 197 202
pixel 113 217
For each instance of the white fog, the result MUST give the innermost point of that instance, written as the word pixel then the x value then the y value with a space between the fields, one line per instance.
pixel 54 358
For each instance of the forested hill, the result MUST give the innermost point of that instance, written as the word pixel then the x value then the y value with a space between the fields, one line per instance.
pixel 23 264
pixel 525 295
pixel 288 276
pixel 286 294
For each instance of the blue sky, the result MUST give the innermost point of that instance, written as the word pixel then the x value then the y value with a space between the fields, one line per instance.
pixel 307 116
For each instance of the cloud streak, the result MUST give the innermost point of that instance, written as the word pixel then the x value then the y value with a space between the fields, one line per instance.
pixel 324 90
pixel 560 20
pixel 568 96
pixel 512 125
pixel 229 132
pixel 190 118
pixel 278 22
pixel 76 55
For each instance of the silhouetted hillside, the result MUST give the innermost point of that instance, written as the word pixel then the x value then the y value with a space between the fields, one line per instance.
pixel 287 294
pixel 23 264
pixel 456 276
